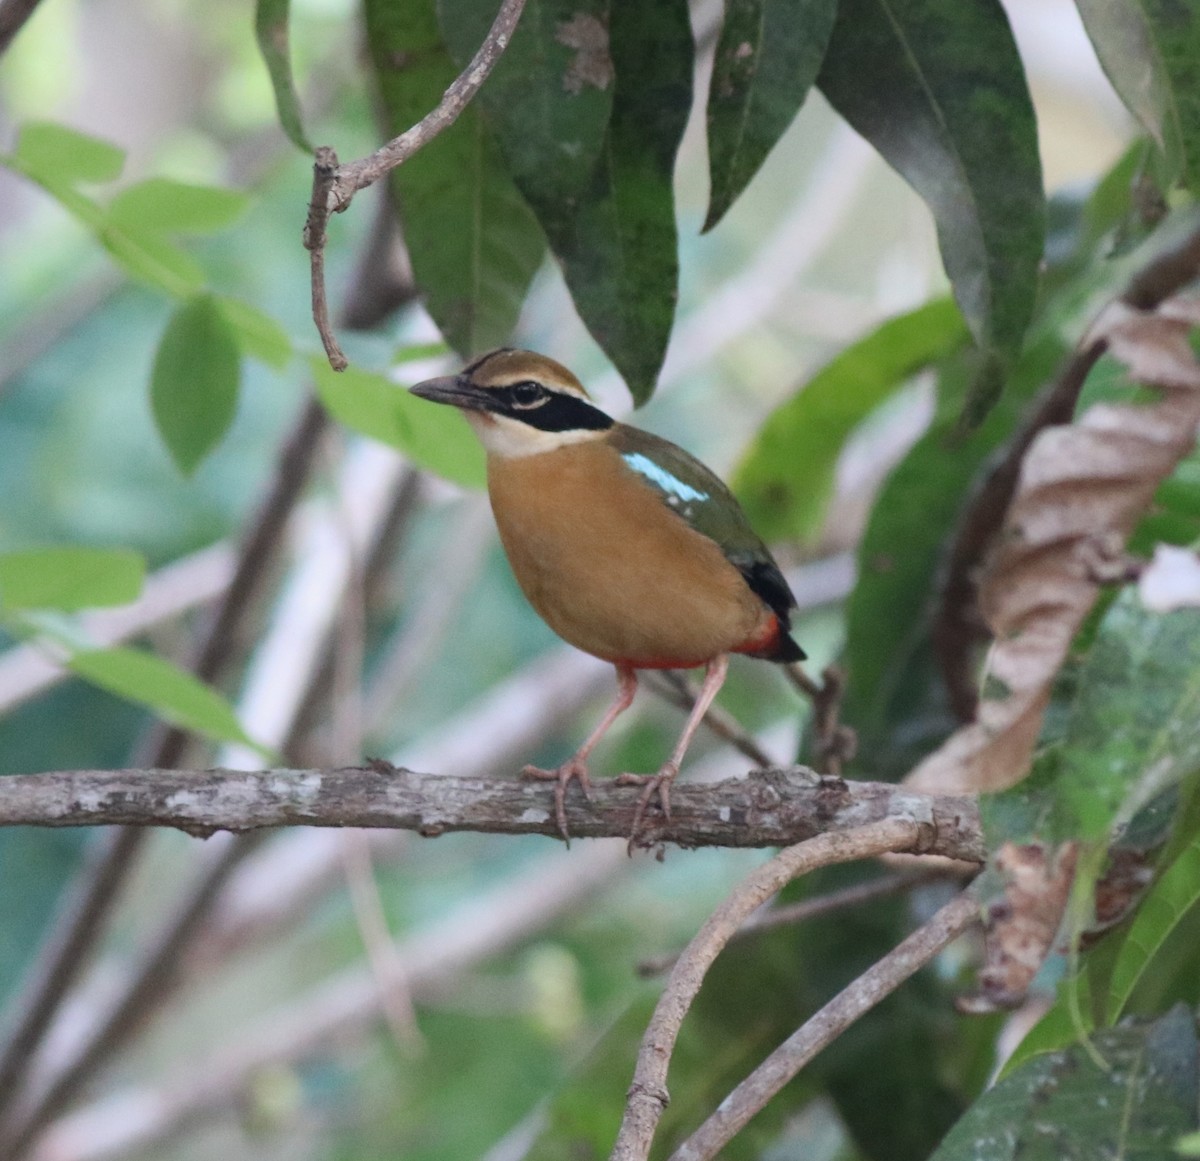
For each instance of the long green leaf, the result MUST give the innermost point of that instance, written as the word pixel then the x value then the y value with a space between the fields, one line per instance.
pixel 433 437
pixel 1132 1100
pixel 938 88
pixel 160 204
pixel 165 688
pixel 589 107
pixel 1134 728
pixel 271 31
pixel 474 243
pixel 1175 893
pixel 549 97
pixel 69 578
pixel 144 254
pixel 1150 50
pixel 766 60
pixel 66 155
pixel 895 697
pixel 786 476
pixel 619 252
pixel 195 380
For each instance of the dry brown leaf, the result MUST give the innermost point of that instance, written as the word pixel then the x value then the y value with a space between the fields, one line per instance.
pixel 1019 928
pixel 1082 488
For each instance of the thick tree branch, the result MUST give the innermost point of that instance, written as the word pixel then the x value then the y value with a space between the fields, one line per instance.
pixel 771 808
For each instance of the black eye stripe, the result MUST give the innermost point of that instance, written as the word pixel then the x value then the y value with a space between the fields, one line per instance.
pixel 558 412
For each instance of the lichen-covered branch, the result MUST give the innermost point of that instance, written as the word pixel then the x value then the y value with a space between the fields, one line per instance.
pixel 775 807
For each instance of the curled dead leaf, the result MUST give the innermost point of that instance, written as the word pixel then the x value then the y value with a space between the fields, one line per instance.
pixel 1082 488
pixel 1020 927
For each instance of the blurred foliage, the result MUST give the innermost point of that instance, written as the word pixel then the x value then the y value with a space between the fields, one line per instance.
pixel 155 344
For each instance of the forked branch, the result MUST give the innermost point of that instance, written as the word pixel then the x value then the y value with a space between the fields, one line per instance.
pixel 648 1093
pixel 334 184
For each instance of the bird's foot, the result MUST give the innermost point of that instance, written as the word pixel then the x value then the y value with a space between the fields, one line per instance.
pixel 572 770
pixel 654 785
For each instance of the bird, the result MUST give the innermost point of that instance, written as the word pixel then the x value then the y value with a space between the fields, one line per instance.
pixel 626 545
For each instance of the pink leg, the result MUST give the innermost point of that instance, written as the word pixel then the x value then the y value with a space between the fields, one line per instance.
pixel 660 783
pixel 574 769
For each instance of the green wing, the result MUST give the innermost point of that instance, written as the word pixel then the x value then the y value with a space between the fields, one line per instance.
pixel 697 495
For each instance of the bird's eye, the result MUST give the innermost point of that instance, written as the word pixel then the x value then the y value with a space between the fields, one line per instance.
pixel 528 394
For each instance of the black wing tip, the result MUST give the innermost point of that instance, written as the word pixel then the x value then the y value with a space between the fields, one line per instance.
pixel 787 651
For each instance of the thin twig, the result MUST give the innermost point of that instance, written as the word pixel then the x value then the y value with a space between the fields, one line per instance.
pixel 325 167
pixel 835 744
pixel 772 918
pixel 876 983
pixel 383 955
pixel 648 1096
pixel 335 185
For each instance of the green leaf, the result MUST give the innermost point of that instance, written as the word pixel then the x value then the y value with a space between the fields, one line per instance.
pixel 766 60
pixel 271 31
pixel 154 682
pixel 64 155
pixel 69 578
pixel 1133 1100
pixel 474 243
pixel 1150 50
pixel 895 697
pixel 145 254
pixel 1158 915
pixel 162 205
pixel 549 97
pixel 434 437
pixel 938 88
pixel 257 332
pixel 1134 728
pixel 589 107
pixel 619 250
pixel 785 478
pixel 194 384
pixel 152 259
pixel 1059 1027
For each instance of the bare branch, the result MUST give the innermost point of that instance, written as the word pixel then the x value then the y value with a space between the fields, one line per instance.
pixel 648 1095
pixel 771 808
pixel 876 983
pixel 334 185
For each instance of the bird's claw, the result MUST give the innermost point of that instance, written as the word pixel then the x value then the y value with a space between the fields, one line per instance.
pixel 572 770
pixel 653 784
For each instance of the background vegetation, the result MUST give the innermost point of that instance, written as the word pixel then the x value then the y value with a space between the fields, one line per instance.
pixel 814 240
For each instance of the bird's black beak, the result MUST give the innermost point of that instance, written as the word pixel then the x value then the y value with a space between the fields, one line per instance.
pixel 456 391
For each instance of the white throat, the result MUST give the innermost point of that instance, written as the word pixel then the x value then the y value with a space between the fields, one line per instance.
pixel 509 438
